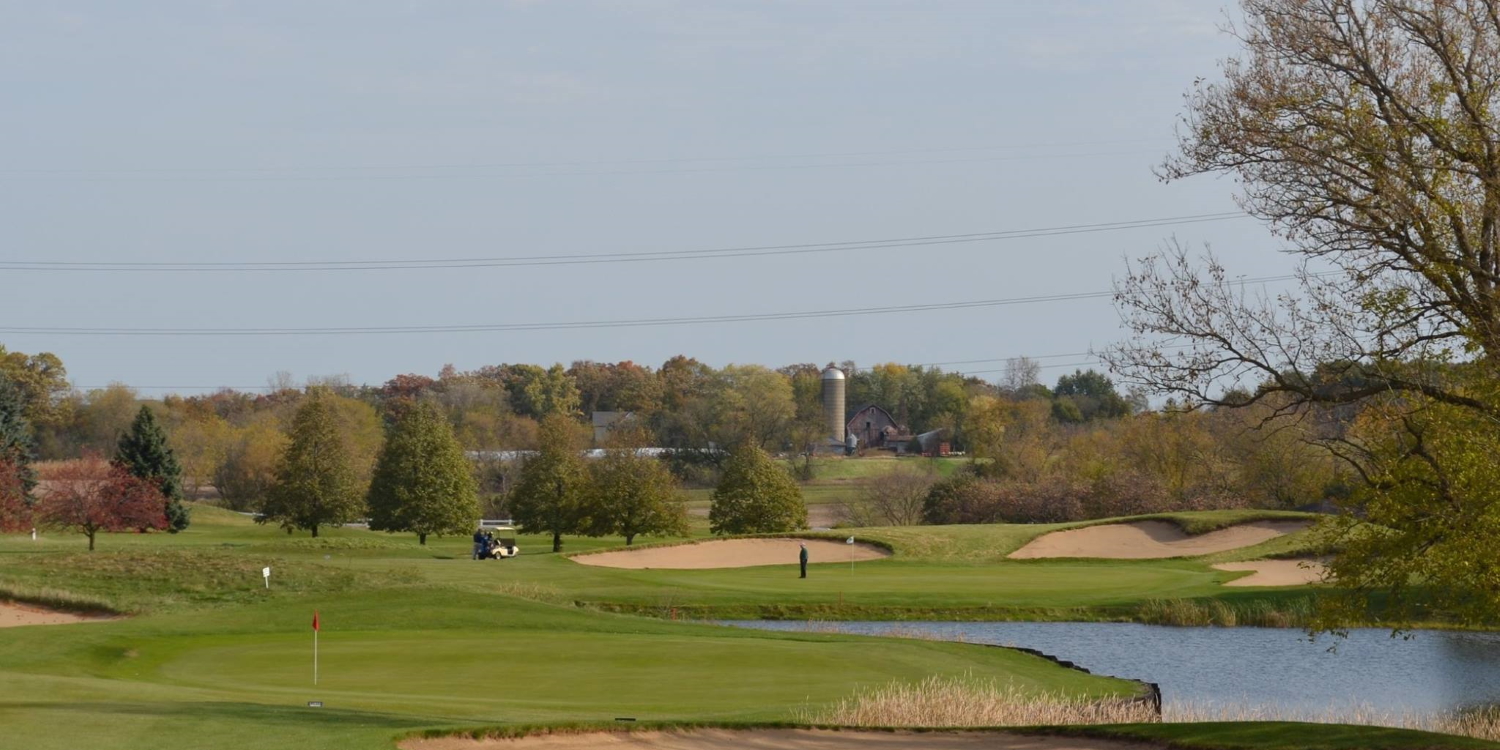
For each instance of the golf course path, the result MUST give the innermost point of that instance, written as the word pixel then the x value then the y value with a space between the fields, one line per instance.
pixel 733 553
pixel 14 615
pixel 1275 572
pixel 1147 540
pixel 774 739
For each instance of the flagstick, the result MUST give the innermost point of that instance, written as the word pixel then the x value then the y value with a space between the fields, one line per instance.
pixel 315 657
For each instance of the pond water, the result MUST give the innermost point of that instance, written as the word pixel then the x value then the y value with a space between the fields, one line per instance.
pixel 1250 667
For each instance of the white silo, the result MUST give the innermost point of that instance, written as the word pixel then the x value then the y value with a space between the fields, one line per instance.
pixel 833 403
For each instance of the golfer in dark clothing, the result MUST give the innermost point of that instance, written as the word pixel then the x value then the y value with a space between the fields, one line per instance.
pixel 478 542
pixel 802 558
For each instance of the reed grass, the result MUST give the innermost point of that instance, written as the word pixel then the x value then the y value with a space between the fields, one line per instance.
pixel 1293 613
pixel 967 702
pixel 951 702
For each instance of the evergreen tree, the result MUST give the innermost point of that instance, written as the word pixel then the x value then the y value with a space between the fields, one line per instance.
pixel 423 482
pixel 143 451
pixel 550 495
pixel 756 496
pixel 17 446
pixel 316 482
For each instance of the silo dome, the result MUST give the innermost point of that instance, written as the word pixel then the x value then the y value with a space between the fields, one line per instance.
pixel 833 373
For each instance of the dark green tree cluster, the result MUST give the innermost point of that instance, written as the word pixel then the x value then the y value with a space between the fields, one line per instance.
pixel 622 493
pixel 756 495
pixel 316 484
pixel 423 483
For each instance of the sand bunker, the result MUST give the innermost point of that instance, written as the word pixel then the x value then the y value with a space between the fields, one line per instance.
pixel 733 553
pixel 774 739
pixel 14 615
pixel 1145 540
pixel 1275 572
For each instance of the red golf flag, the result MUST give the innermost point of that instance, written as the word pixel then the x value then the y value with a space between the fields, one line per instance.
pixel 315 619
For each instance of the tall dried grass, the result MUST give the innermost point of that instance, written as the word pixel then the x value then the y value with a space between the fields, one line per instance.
pixel 1294 613
pixel 968 702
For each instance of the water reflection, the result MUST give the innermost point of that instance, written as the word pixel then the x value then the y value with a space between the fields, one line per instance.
pixel 1432 671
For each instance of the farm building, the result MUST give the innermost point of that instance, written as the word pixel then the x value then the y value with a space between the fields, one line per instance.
pixel 604 421
pixel 875 428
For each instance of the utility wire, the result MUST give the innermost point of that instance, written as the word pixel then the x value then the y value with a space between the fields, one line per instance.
pixel 536 164
pixel 582 324
pixel 615 257
pixel 1093 363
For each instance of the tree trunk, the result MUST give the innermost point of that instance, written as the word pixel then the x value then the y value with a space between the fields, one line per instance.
pixel 628 539
pixel 91 541
pixel 422 539
pixel 315 531
pixel 556 542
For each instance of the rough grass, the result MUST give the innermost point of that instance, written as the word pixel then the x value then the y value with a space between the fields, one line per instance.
pixel 1275 736
pixel 147 580
pixel 1480 723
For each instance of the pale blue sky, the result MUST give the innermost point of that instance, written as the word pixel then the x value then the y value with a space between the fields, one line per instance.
pixel 257 131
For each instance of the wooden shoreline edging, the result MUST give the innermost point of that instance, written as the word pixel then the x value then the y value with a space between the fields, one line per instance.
pixel 1152 695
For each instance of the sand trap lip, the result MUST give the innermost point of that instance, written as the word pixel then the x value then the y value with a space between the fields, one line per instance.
pixel 1148 540
pixel 13 615
pixel 733 553
pixel 777 739
pixel 1276 572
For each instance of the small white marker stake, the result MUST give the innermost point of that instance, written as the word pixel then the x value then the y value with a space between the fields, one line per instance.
pixel 266 574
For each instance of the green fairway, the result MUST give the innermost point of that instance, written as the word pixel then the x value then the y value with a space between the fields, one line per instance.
pixel 413 638
pixel 420 638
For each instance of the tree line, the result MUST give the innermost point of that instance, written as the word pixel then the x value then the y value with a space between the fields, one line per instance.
pixel 1074 449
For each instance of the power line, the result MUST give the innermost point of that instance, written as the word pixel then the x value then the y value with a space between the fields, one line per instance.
pixel 615 257
pixel 582 324
pixel 262 387
pixel 67 171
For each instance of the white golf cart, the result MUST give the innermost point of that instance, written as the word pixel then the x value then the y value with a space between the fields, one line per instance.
pixel 500 543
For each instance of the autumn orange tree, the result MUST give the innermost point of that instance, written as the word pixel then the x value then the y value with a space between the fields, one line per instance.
pixel 91 495
pixel 15 506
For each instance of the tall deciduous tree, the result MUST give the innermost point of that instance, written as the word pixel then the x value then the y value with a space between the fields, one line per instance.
pixel 756 496
pixel 42 380
pixel 1364 132
pixel 144 452
pixel 316 483
pixel 248 471
pixel 631 494
pixel 423 483
pixel 91 495
pixel 550 497
pixel 17 445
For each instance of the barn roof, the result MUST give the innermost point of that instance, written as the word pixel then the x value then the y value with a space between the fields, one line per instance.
pixel 868 407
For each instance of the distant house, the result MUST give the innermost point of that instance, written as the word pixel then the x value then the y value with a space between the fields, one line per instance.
pixel 604 421
pixel 874 427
